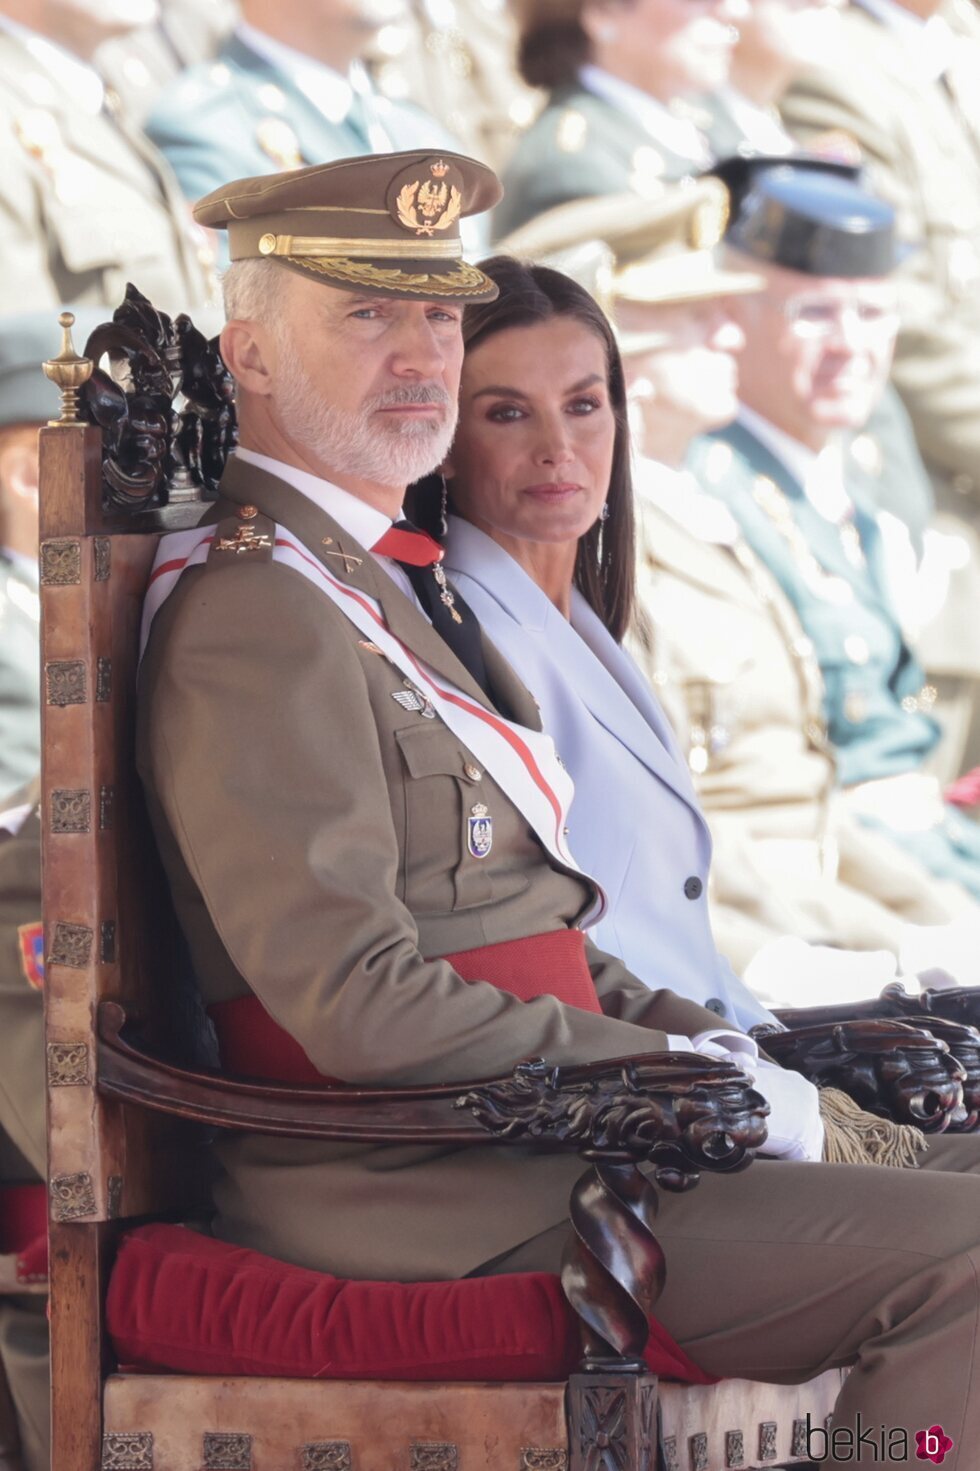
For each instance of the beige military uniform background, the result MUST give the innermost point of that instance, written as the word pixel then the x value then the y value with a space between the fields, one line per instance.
pixel 23 1325
pixel 458 62
pixel 736 674
pixel 924 156
pixel 86 204
pixel 315 837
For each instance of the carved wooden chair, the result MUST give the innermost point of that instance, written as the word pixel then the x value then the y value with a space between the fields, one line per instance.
pixel 130 1092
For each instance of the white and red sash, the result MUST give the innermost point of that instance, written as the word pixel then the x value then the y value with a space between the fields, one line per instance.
pixel 522 762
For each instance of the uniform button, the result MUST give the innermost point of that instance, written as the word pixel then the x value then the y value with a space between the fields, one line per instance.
pixel 693 887
pixel 473 772
pixel 715 1004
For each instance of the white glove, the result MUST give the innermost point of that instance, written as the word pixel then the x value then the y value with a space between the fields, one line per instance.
pixel 794 1122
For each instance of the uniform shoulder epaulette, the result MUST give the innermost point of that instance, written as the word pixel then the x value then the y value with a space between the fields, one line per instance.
pixel 247 536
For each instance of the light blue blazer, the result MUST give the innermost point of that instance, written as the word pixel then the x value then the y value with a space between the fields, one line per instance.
pixel 635 823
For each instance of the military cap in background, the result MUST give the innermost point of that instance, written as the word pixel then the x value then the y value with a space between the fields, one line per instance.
pixel 386 224
pixel 809 214
pixel 662 249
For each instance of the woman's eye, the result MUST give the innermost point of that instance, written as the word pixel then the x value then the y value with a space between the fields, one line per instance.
pixel 505 414
pixel 583 405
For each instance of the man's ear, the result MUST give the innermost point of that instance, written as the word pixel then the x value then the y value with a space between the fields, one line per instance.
pixel 447 469
pixel 248 351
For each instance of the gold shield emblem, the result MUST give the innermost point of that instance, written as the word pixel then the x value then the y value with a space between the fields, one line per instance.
pixel 428 205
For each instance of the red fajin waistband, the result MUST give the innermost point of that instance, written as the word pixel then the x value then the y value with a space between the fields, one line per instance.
pixel 554 964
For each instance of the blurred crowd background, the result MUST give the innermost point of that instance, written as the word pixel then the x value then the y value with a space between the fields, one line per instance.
pixel 807 441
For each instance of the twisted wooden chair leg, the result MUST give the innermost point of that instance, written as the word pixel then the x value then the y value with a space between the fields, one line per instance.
pixel 613 1273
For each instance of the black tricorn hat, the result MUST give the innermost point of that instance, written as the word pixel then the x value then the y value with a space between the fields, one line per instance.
pixel 810 214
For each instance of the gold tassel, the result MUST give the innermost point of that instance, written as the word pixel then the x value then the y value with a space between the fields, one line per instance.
pixel 853 1137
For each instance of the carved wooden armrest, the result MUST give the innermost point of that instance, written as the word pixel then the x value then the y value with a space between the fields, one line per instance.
pixel 957 1004
pixel 678 1113
pixel 683 1113
pixel 890 1068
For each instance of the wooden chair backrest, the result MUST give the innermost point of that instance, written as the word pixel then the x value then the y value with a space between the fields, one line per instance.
pixel 108 924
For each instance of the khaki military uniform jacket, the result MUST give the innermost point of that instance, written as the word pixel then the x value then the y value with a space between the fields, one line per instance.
pixel 314 835
pixel 730 662
pixel 86 204
pixel 923 152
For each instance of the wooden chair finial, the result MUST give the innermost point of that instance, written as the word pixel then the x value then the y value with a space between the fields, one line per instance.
pixel 68 372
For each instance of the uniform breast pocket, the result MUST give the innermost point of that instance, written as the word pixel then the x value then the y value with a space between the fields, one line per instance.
pixel 447 840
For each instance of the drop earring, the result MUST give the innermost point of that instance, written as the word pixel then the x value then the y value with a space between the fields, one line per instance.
pixel 604 513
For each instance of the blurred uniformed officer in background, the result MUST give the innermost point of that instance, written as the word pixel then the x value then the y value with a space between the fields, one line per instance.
pixel 818 346
pixel 722 644
pixel 286 89
pixel 903 87
pixel 776 40
pixel 620 80
pixel 141 63
pixel 86 204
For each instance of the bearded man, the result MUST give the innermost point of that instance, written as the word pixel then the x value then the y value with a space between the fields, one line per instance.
pixel 362 826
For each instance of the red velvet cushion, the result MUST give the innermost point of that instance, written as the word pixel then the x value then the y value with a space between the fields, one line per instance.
pixel 179 1300
pixel 24 1229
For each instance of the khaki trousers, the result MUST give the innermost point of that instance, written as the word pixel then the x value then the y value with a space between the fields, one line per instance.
pixel 785 1270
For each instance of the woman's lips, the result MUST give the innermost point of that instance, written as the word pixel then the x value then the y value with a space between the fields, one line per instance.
pixel 552 493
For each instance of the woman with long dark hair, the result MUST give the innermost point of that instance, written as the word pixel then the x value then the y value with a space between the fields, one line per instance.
pixel 541 544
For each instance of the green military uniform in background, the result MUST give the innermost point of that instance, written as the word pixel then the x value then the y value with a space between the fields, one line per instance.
pixel 728 658
pixel 23 1150
pixel 877 706
pixel 245 113
pixel 583 144
pixel 86 203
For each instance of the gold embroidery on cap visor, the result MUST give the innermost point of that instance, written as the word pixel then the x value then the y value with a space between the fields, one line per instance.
pixel 462 281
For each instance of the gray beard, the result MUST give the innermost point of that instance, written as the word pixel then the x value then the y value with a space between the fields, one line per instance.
pixel 362 443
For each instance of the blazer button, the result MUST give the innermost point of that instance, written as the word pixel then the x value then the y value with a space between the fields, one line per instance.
pixel 715 1004
pixel 693 887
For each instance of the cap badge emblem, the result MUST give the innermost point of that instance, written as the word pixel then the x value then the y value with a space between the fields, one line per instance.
pixel 480 839
pixel 428 205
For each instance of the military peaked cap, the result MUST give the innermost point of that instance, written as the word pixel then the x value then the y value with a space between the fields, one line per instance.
pixel 385 223
pixel 809 214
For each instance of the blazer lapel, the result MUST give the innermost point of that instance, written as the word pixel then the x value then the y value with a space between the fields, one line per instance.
pixel 620 699
pixel 347 561
pixel 601 675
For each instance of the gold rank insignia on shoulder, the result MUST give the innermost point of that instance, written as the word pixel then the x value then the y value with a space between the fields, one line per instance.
pixel 245 539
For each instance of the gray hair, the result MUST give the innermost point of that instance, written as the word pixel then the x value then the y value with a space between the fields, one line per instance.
pixel 253 291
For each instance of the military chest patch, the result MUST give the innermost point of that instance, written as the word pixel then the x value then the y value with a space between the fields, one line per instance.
pixel 480 835
pixel 30 939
